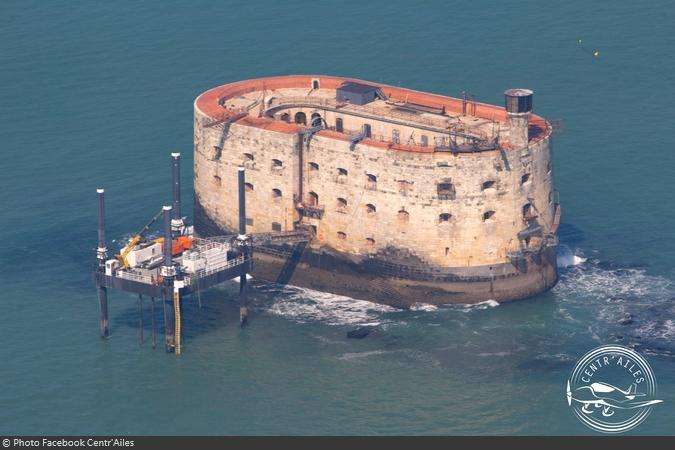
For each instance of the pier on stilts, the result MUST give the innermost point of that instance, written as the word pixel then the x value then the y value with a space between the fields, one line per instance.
pixel 177 264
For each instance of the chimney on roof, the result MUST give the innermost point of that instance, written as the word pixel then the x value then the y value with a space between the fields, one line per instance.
pixel 518 110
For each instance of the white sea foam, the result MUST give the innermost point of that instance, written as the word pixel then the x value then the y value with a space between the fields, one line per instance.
pixel 617 294
pixel 306 305
pixel 481 305
pixel 423 307
pixel 566 257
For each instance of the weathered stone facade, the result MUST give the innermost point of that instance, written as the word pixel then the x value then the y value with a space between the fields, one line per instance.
pixel 398 218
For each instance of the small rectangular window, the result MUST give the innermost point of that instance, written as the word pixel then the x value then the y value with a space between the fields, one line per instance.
pixel 424 140
pixel 395 137
pixel 338 125
pixel 249 221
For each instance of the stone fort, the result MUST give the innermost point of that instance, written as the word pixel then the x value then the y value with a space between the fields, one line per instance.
pixel 409 196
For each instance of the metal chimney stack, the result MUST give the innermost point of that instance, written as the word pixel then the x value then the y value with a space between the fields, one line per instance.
pixel 518 110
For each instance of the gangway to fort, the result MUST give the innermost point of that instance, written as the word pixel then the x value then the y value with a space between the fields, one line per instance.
pixel 179 263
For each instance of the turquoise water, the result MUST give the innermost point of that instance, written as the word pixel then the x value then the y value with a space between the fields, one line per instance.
pixel 99 94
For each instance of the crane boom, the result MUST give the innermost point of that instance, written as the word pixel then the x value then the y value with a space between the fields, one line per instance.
pixel 136 239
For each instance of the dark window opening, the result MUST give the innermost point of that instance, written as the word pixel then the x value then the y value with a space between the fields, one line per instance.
pixel 488 215
pixel 276 193
pixel 317 121
pixel 277 164
pixel 447 251
pixel 488 184
pixel 315 84
pixel 217 152
pixel 371 209
pixel 313 166
pixel 276 226
pixel 313 199
pixel 249 187
pixel 249 221
pixel 424 140
pixel 525 178
pixel 286 117
pixel 300 118
pixel 445 217
pixel 342 172
pixel 341 235
pixel 367 131
pixel 403 216
pixel 446 191
pixel 339 125
pixel 370 242
pixel 217 180
pixel 341 203
pixel 248 158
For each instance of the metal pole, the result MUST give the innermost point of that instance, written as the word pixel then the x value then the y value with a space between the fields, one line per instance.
pixel 101 256
pixel 140 316
pixel 177 220
pixel 152 313
pixel 243 282
pixel 168 272
pixel 242 201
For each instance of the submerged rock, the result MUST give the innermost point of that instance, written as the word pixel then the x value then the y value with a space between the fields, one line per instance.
pixel 627 319
pixel 360 332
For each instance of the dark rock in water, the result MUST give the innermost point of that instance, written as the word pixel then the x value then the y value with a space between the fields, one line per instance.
pixel 627 319
pixel 360 332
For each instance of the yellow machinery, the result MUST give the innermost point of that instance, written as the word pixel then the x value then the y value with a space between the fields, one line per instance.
pixel 136 239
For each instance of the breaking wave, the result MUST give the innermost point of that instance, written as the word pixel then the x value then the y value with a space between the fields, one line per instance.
pixel 306 305
pixel 566 257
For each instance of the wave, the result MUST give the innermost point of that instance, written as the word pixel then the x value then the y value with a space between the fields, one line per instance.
pixel 622 305
pixel 567 258
pixel 306 305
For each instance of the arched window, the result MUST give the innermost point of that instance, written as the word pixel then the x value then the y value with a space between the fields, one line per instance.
pixel 371 209
pixel 341 175
pixel 277 164
pixel 371 181
pixel 444 217
pixel 367 130
pixel 313 199
pixel 286 117
pixel 487 215
pixel 317 121
pixel 313 166
pixel 403 216
pixel 488 184
pixel 276 193
pixel 370 242
pixel 300 118
pixel 248 187
pixel 217 180
pixel 315 84
pixel 341 235
pixel 248 160
pixel 341 204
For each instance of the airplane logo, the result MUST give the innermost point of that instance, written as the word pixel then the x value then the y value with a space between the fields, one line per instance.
pixel 609 398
